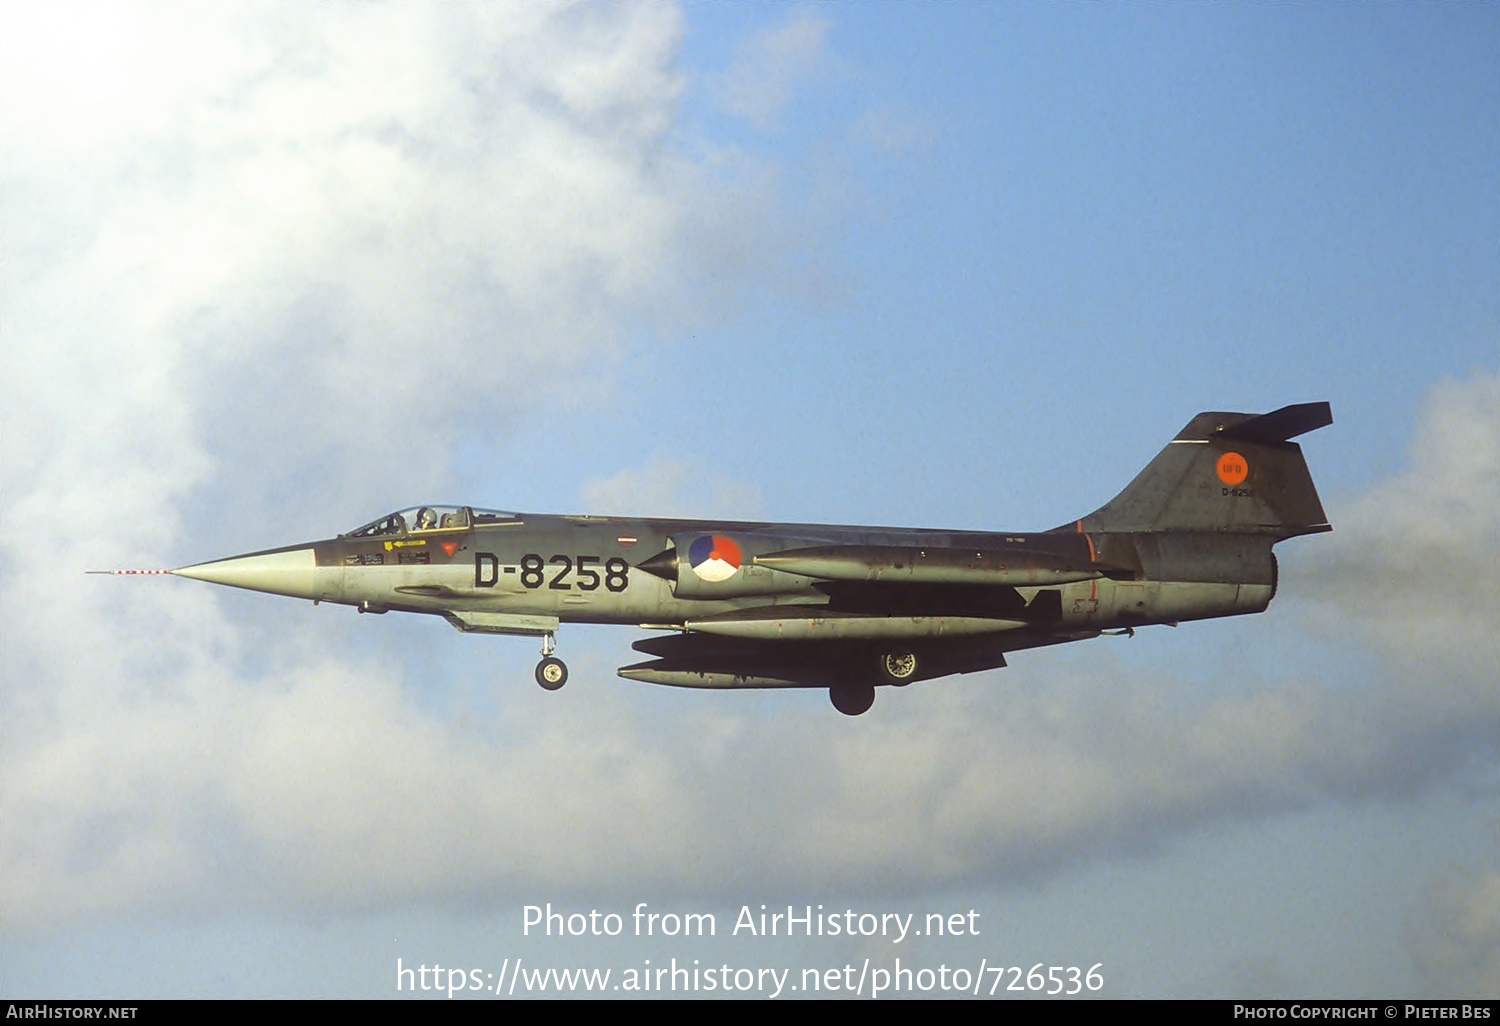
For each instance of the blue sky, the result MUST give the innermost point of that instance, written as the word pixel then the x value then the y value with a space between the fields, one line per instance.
pixel 272 271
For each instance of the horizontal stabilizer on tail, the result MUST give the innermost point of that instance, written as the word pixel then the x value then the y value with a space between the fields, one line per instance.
pixel 1260 428
pixel 1283 424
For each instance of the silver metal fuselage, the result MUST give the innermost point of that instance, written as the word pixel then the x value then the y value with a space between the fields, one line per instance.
pixel 564 569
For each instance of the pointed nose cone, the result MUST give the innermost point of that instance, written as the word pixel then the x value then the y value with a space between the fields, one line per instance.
pixel 280 572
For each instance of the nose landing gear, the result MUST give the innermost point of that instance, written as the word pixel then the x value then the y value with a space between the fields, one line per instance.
pixel 551 672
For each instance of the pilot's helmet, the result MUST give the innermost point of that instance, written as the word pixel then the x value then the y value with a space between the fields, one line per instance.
pixel 426 519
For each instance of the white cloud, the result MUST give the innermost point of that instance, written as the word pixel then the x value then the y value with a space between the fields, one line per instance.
pixel 673 488
pixel 262 260
pixel 1411 567
pixel 1456 934
pixel 770 67
pixel 298 234
pixel 895 130
pixel 320 787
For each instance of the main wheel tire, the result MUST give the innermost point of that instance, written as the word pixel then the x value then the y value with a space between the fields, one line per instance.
pixel 898 667
pixel 852 699
pixel 552 673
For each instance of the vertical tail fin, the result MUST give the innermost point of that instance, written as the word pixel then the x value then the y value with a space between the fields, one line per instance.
pixel 1231 472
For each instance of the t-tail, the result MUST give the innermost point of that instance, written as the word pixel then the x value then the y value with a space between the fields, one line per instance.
pixel 1236 473
pixel 1193 533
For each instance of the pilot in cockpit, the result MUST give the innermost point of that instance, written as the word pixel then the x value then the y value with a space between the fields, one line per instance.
pixel 426 519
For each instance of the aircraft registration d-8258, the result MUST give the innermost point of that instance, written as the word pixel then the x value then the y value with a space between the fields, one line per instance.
pixel 760 605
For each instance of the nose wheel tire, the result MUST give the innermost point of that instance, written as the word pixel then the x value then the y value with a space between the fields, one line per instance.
pixel 551 673
pixel 852 699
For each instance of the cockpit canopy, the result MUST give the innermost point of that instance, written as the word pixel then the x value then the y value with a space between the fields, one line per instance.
pixel 435 517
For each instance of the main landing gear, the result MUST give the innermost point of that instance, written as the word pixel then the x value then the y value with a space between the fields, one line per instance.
pixel 853 697
pixel 551 672
pixel 898 668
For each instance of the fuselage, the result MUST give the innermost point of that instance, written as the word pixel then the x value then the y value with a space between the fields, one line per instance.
pixel 611 570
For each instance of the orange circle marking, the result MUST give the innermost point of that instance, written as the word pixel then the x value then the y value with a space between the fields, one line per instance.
pixel 1232 468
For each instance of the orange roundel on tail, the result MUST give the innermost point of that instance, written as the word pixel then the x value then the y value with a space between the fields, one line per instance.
pixel 1232 468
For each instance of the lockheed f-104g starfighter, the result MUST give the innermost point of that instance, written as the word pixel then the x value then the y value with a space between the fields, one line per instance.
pixel 763 605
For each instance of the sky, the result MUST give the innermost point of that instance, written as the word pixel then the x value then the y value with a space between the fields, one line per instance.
pixel 268 271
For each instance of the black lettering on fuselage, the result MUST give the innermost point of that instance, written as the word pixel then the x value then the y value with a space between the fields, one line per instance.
pixel 486 569
pixel 577 572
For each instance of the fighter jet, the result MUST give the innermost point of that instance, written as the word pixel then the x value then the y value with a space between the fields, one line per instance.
pixel 763 605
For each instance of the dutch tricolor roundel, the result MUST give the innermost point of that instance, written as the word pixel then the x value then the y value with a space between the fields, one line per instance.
pixel 714 557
